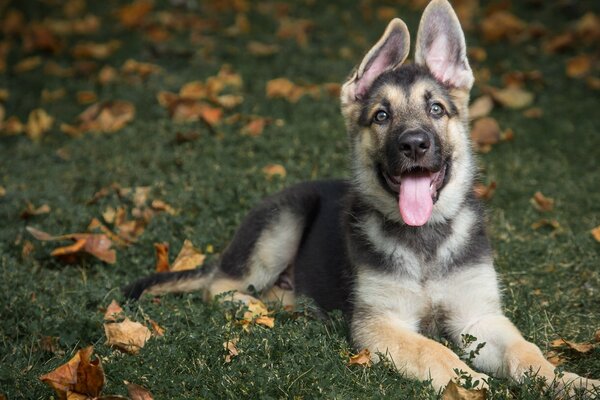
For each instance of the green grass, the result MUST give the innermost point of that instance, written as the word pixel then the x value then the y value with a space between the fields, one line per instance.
pixel 552 283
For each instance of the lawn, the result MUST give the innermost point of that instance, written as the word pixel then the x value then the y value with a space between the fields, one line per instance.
pixel 209 161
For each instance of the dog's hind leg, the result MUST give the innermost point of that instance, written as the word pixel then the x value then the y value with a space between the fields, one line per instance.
pixel 263 250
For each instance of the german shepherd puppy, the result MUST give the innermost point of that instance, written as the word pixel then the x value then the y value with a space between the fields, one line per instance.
pixel 401 247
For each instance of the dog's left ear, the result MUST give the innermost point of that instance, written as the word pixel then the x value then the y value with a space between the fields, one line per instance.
pixel 441 45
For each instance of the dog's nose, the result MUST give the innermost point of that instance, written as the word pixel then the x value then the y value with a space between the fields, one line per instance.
pixel 414 144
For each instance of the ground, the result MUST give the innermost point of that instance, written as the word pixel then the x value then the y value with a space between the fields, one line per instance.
pixel 550 275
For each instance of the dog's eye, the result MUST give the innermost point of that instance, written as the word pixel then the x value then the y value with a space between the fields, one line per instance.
pixel 381 116
pixel 437 110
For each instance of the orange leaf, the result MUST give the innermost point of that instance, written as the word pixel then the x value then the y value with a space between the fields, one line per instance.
pixel 156 328
pixel 579 66
pixel 113 312
pixel 541 202
pixel 133 14
pixel 582 348
pixel 255 127
pixel 98 51
pixel 274 169
pixel 269 322
pixel 363 358
pixel 162 257
pixel 596 233
pixel 230 347
pixel 79 375
pixel 485 192
pixel 107 116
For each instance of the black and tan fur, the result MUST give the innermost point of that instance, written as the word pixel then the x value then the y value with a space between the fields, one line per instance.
pixel 400 273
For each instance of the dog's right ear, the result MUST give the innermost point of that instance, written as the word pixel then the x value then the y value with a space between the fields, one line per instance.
pixel 389 52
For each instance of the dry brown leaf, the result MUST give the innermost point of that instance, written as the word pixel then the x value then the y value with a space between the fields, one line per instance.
pixel 501 25
pixel 160 205
pixel 80 376
pixel 485 132
pixel 230 347
pixel 54 69
pixel 162 257
pixel 588 27
pixel 581 348
pixel 272 170
pixel 99 51
pixel 137 392
pixel 295 29
pixel 454 391
pixel 362 358
pixel 260 49
pixel 541 202
pixel 552 223
pixel 597 336
pixel 114 312
pixel 559 43
pixel 13 22
pixel 286 89
pixel 189 257
pixel 534 112
pixel 194 90
pixel 2 191
pixel 512 97
pixel 49 96
pixel 140 68
pixel 481 107
pixel 27 64
pixel 13 126
pixel 107 116
pixel 98 245
pixel 128 335
pixel 269 322
pixel 86 97
pixel 132 15
pixel 596 233
pixel 30 210
pixel 38 123
pixel 593 82
pixel 477 54
pixel 485 192
pixel 229 101
pixel 255 127
pixel 107 75
pixel 579 66
pixel 156 328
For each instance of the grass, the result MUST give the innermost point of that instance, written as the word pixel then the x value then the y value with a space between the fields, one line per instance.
pixel 552 283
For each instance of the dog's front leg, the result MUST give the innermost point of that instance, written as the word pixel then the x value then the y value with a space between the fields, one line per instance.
pixel 385 320
pixel 473 308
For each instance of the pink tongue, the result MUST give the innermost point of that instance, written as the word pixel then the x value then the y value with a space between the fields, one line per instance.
pixel 415 200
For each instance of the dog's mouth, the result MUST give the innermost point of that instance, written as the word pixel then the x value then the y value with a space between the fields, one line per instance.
pixel 417 190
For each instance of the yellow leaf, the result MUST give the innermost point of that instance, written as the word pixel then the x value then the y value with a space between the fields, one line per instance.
pixel 541 202
pixel 512 97
pixel 274 169
pixel 38 123
pixel 189 257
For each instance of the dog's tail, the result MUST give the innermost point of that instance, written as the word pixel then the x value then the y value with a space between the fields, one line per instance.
pixel 170 282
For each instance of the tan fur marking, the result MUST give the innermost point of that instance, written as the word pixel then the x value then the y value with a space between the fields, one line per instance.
pixel 223 285
pixel 413 354
pixel 286 298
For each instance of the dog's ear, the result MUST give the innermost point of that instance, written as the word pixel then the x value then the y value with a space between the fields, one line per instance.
pixel 441 45
pixel 389 52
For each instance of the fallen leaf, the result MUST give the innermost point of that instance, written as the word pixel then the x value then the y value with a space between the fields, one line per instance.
pixel 189 257
pixel 229 101
pixel 454 391
pixel 27 64
pixel 295 29
pixel 485 132
pixel 107 75
pixel 49 96
pixel 541 202
pixel 162 257
pixel 132 15
pixel 593 82
pixel 534 112
pixel 13 126
pixel 559 43
pixel 99 51
pixel 38 123
pixel 255 127
pixel 137 392
pixel 2 191
pixel 80 375
pixel 552 223
pixel 477 54
pixel 588 27
pixel 485 192
pixel 269 322
pixel 579 66
pixel 128 335
pixel 107 116
pixel 481 107
pixel 501 25
pixel 274 169
pixel 362 358
pixel 30 210
pixel 581 348
pixel 597 336
pixel 512 97
pixel 230 347
pixel 4 95
pixel 55 69
pixel 140 68
pixel 98 245
pixel 114 312
pixel 86 97
pixel 260 49
pixel 286 89
pixel 596 233
pixel 160 205
pixel 156 328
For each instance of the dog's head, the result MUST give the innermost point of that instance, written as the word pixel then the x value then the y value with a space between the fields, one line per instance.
pixel 411 155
